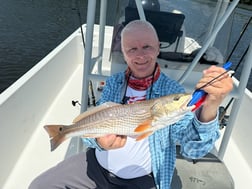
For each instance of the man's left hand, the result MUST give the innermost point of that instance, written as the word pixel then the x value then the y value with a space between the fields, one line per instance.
pixel 217 91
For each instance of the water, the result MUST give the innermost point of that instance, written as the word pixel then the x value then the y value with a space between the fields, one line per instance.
pixel 29 30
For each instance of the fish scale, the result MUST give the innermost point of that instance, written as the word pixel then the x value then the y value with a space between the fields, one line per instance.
pixel 139 119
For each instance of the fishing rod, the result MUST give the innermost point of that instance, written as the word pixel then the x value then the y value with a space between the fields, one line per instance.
pixel 92 92
pixel 240 36
pixel 77 9
pixel 222 109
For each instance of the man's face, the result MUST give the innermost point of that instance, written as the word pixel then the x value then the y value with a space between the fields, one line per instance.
pixel 140 49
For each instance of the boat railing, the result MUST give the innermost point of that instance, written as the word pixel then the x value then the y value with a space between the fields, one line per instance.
pixel 246 70
pixel 208 41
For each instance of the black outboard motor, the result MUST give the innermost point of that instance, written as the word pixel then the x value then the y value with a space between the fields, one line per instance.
pixel 147 4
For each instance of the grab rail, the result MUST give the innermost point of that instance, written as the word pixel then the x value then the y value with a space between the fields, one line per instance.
pixel 208 42
pixel 237 103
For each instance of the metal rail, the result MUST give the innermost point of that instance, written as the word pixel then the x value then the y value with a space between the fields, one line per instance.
pixel 103 17
pixel 237 103
pixel 208 42
pixel 88 53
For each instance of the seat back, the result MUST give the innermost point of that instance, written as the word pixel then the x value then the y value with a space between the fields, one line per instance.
pixel 168 25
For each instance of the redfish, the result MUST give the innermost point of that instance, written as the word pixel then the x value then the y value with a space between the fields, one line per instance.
pixel 138 120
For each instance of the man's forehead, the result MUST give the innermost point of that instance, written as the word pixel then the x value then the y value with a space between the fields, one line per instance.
pixel 139 28
pixel 140 34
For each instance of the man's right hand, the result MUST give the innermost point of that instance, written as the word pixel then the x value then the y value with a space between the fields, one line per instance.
pixel 112 141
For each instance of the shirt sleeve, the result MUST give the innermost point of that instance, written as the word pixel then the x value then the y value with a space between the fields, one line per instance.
pixel 195 137
pixel 91 143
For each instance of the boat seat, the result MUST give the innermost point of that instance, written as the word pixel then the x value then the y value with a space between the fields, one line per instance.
pixel 167 24
pixel 205 173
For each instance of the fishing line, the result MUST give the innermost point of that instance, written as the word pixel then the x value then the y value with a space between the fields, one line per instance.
pixel 240 36
pixel 242 57
pixel 230 72
pixel 223 110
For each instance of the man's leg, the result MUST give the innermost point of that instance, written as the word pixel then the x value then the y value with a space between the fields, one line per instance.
pixel 70 173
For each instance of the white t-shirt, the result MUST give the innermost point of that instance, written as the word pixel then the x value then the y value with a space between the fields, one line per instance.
pixel 134 159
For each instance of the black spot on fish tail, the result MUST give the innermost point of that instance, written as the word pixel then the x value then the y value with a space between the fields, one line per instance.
pixel 56 134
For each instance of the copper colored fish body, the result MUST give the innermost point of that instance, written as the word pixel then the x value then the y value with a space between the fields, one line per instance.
pixel 137 120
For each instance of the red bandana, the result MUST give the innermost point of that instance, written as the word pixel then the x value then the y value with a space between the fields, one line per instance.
pixel 142 84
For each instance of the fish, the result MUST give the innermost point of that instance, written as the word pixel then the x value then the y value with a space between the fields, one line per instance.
pixel 138 120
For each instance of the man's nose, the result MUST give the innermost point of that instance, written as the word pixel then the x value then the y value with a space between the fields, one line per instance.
pixel 140 53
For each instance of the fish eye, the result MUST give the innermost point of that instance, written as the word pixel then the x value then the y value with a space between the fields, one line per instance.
pixel 176 98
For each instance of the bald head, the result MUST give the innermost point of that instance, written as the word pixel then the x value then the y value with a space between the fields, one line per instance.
pixel 136 26
pixel 140 47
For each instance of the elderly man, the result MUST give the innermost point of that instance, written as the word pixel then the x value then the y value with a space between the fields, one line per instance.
pixel 121 162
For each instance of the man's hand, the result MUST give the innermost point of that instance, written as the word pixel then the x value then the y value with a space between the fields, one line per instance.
pixel 110 142
pixel 217 91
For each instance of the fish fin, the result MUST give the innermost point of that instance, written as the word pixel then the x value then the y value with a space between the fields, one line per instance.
pixel 53 130
pixel 56 141
pixel 143 126
pixel 140 137
pixel 94 110
pixel 57 137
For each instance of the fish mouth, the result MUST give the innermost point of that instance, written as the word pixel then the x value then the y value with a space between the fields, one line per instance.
pixel 186 102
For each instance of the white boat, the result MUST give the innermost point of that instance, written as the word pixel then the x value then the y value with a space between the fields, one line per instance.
pixel 52 91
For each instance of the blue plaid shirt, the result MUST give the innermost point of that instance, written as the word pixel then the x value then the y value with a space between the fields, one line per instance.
pixel 196 138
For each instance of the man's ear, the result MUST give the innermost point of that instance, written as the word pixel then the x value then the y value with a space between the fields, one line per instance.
pixel 159 44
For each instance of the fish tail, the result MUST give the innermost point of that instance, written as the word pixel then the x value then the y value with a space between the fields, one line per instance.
pixel 56 135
